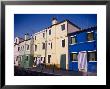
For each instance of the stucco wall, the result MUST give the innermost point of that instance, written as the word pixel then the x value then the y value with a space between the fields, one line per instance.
pixel 16 54
pixel 39 40
pixel 72 28
pixel 56 37
pixel 83 45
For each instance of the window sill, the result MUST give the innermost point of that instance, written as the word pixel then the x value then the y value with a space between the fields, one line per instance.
pixel 74 61
pixel 82 42
pixel 92 61
pixel 73 44
pixel 91 41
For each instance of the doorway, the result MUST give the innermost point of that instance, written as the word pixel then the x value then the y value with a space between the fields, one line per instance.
pixel 63 61
pixel 49 57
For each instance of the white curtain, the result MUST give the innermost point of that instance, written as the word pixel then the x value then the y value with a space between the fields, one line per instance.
pixel 82 61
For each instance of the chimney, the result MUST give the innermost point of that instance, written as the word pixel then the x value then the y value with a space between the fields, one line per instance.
pixel 54 21
pixel 31 36
pixel 17 40
pixel 27 36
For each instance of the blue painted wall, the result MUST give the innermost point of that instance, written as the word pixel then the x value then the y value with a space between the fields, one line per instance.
pixel 83 45
pixel 86 46
pixel 73 66
pixel 92 66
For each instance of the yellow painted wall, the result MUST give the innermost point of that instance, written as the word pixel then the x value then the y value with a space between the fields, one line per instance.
pixel 39 40
pixel 56 37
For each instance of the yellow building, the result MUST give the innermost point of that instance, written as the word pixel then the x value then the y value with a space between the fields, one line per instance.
pixel 51 44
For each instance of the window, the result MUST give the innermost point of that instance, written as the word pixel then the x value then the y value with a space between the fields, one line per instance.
pixel 63 27
pixel 18 48
pixel 48 43
pixel 21 58
pixel 43 35
pixel 90 36
pixel 73 56
pixel 63 43
pixel 51 45
pixel 44 60
pixel 17 58
pixel 35 37
pixel 35 47
pixel 49 56
pixel 92 56
pixel 43 45
pixel 50 32
pixel 73 40
pixel 41 58
pixel 27 47
pixel 23 47
pixel 16 40
pixel 26 58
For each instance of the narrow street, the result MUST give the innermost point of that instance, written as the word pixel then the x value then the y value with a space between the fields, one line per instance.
pixel 42 71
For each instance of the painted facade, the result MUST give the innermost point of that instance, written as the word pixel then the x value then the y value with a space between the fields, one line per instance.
pixel 83 41
pixel 58 44
pixel 51 44
pixel 24 51
pixel 16 52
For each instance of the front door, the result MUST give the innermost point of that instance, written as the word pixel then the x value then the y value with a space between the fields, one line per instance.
pixel 63 61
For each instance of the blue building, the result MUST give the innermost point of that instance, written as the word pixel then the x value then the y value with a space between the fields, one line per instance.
pixel 83 41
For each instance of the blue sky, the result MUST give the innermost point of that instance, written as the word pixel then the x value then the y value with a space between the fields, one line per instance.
pixel 31 23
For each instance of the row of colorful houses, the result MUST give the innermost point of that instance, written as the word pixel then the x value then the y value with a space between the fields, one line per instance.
pixel 58 44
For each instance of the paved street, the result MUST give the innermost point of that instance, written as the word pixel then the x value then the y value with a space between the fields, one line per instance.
pixel 42 71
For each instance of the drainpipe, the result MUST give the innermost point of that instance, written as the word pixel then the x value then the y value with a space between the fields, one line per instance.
pixel 55 47
pixel 46 47
pixel 24 52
